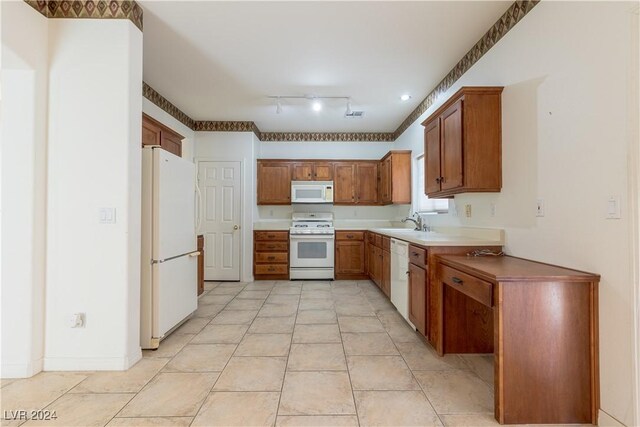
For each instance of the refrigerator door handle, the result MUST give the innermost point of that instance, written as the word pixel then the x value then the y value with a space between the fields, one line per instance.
pixel 160 261
pixel 198 208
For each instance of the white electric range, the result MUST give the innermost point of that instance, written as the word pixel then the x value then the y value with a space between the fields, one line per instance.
pixel 312 239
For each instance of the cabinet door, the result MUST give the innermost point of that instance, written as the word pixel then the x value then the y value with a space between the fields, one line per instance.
pixel 451 147
pixel 303 171
pixel 385 181
pixel 150 133
pixel 274 183
pixel 172 143
pixel 344 183
pixel 386 273
pixel 367 183
pixel 323 172
pixel 350 257
pixel 417 298
pixel 432 157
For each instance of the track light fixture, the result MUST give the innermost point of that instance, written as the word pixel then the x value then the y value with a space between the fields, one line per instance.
pixel 316 101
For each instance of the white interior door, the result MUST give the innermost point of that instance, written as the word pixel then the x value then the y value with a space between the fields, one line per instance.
pixel 219 184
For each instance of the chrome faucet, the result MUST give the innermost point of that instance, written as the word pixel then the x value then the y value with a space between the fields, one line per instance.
pixel 418 222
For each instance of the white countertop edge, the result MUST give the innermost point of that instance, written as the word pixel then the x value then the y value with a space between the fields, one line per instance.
pixel 442 236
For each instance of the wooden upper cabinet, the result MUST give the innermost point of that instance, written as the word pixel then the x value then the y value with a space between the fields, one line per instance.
pixel 155 133
pixel 323 171
pixel 432 157
pixel 312 171
pixel 451 147
pixel 355 182
pixel 302 171
pixel 395 178
pixel 274 183
pixel 463 143
pixel 367 183
pixel 344 183
pixel 385 181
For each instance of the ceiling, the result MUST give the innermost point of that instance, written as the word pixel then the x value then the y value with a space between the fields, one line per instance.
pixel 220 60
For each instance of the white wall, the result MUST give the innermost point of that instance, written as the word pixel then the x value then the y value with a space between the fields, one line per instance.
pixel 235 146
pixel 172 123
pixel 23 115
pixel 566 136
pixel 95 108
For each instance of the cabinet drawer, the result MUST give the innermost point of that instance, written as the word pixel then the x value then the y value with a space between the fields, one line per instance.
pixel 418 256
pixel 272 246
pixel 349 235
pixel 272 257
pixel 473 287
pixel 371 238
pixel 378 240
pixel 272 269
pixel 272 235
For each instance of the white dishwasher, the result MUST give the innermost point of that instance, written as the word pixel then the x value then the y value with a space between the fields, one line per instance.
pixel 400 277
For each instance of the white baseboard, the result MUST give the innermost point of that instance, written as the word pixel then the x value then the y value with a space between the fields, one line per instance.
pixel 90 363
pixel 21 370
pixel 607 420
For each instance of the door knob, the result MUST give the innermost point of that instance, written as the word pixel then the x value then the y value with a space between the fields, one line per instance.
pixel 235 227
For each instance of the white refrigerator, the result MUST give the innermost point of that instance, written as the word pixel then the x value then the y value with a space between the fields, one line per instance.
pixel 169 248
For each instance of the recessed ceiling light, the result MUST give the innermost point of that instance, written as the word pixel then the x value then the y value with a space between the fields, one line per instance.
pixel 405 97
pixel 317 105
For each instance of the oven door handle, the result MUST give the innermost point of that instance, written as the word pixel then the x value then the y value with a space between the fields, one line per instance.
pixel 312 236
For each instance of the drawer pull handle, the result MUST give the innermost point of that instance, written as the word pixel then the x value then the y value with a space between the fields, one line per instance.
pixel 271 258
pixel 456 280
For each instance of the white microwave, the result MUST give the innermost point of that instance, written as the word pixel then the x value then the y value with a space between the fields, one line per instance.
pixel 311 191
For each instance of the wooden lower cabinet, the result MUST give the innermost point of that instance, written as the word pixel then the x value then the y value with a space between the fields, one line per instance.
pixel 350 255
pixel 201 265
pixel 271 255
pixel 418 298
pixel 543 324
pixel 386 273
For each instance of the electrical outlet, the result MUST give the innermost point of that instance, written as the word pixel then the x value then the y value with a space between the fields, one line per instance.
pixel 76 320
pixel 270 212
pixel 453 210
pixel 540 207
pixel 493 209
pixel 467 211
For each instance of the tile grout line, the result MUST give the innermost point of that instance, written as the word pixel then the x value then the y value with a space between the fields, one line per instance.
pixel 346 362
pixel 234 351
pixel 286 365
pixel 412 373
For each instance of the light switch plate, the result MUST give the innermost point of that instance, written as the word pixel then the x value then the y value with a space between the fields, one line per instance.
pixel 613 207
pixel 107 215
pixel 540 207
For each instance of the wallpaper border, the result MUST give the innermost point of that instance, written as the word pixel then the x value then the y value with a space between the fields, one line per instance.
pixel 90 9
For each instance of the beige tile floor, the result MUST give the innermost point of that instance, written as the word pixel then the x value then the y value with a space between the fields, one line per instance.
pixel 275 353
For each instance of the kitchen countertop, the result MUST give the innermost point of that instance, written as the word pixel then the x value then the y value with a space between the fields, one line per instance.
pixel 440 236
pixel 464 237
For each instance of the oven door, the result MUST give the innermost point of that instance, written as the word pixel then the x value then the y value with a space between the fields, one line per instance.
pixel 312 251
pixel 305 193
